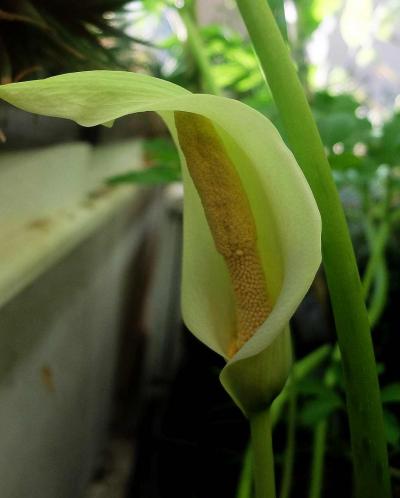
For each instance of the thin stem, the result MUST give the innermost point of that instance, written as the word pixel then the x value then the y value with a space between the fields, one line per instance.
pixel 377 242
pixel 317 466
pixel 198 51
pixel 263 456
pixel 287 472
pixel 352 325
pixel 320 435
pixel 380 293
pixel 376 271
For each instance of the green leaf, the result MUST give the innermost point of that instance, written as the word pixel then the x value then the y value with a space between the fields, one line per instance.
pixel 391 393
pixel 320 408
pixel 344 161
pixel 392 428
pixel 313 386
pixel 151 176
pixel 161 152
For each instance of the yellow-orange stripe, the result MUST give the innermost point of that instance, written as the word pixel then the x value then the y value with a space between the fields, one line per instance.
pixel 230 219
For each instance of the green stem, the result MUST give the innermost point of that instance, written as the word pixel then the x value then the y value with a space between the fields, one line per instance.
pixel 352 325
pixel 287 472
pixel 278 10
pixel 379 296
pixel 376 266
pixel 377 242
pixel 245 486
pixel 301 369
pixel 198 51
pixel 376 270
pixel 317 466
pixel 263 456
pixel 320 435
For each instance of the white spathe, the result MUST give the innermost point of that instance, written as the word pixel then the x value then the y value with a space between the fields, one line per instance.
pixel 286 216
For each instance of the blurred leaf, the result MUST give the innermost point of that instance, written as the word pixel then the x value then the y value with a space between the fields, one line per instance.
pixel 150 176
pixel 343 127
pixel 317 409
pixel 386 148
pixel 161 152
pixel 324 8
pixel 310 13
pixel 312 386
pixel 338 123
pixel 392 428
pixel 344 161
pixel 321 400
pixel 235 66
pixel 380 368
pixel 163 164
pixel 391 393
pixel 325 102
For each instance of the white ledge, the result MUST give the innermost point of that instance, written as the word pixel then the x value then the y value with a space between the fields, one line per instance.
pixel 51 200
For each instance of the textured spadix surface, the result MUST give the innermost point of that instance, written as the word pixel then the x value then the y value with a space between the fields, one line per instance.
pixel 286 218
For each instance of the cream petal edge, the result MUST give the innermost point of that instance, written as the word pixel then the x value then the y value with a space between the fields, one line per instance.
pixel 102 96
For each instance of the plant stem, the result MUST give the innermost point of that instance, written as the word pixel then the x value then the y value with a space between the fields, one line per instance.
pixel 301 369
pixel 198 51
pixel 263 456
pixel 320 435
pixel 287 472
pixel 376 270
pixel 363 399
pixel 245 486
pixel 380 293
pixel 278 11
pixel 317 466
pixel 377 238
pixel 377 242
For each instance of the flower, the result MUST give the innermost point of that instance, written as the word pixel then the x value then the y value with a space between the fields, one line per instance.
pixel 252 230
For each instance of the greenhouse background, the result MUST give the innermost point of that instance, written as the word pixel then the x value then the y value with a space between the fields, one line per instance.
pixel 104 392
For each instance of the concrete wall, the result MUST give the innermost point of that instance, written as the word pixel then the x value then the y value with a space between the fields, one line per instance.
pixel 59 331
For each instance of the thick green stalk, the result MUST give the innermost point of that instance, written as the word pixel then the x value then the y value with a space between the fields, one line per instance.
pixel 263 456
pixel 351 319
pixel 376 269
pixel 198 52
pixel 374 309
